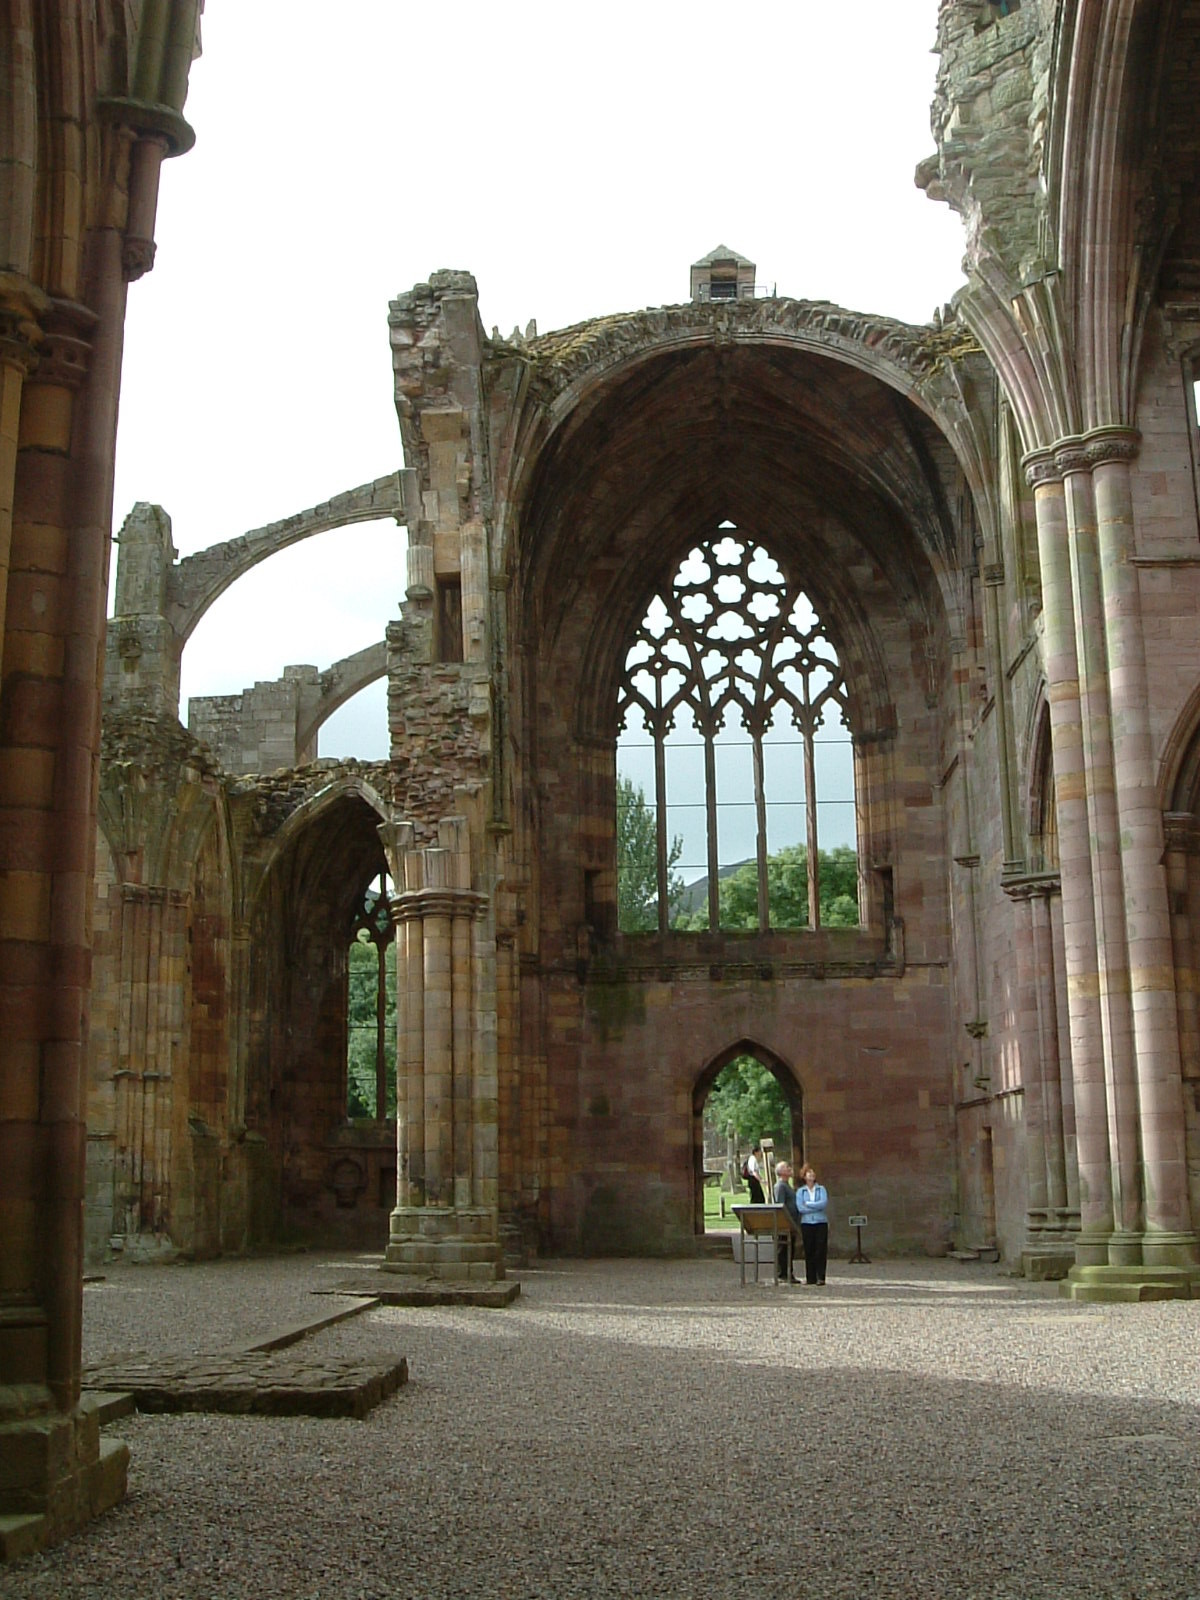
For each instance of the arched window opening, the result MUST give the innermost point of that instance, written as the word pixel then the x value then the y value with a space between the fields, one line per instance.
pixel 735 769
pixel 1043 822
pixel 371 1007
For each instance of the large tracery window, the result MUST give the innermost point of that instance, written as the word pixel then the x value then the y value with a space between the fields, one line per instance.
pixel 733 745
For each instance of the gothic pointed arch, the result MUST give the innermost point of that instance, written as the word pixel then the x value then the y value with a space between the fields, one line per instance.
pixel 793 1093
pixel 328 1178
pixel 1041 813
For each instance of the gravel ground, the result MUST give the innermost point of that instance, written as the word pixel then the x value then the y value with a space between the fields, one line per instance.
pixel 635 1428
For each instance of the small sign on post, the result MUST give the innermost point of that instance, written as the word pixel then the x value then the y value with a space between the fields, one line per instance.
pixel 858 1259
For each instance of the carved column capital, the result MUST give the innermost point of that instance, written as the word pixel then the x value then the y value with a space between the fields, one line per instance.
pixel 148 120
pixel 1071 456
pixel 1082 453
pixel 1041 467
pixel 137 258
pixel 66 347
pixel 1103 445
pixel 415 904
pixel 22 306
pixel 1032 886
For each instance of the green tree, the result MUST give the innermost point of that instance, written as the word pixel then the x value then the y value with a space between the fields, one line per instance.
pixel 361 1028
pixel 787 887
pixel 637 862
pixel 748 1095
pixel 839 887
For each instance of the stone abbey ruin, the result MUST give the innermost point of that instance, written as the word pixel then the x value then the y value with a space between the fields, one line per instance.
pixel 692 542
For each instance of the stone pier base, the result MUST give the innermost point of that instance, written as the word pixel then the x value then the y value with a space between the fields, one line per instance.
pixel 455 1244
pixel 1045 1263
pixel 56 1474
pixel 1132 1283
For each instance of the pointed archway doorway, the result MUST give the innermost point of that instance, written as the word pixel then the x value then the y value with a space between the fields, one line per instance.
pixel 750 1090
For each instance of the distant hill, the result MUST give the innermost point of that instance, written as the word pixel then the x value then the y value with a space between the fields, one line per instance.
pixel 695 894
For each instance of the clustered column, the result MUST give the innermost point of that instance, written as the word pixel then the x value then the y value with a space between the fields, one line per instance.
pixel 1078 909
pixel 446 1221
pixel 1136 1217
pixel 1052 1221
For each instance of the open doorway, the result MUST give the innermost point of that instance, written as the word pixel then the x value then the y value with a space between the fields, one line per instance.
pixel 744 1095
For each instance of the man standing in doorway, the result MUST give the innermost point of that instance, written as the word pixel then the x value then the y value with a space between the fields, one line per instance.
pixel 785 1196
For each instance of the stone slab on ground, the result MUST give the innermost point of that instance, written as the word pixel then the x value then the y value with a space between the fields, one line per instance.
pixel 252 1383
pixel 393 1289
pixel 109 1405
pixel 301 1330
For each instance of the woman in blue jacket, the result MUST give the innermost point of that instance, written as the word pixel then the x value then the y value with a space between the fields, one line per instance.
pixel 812 1202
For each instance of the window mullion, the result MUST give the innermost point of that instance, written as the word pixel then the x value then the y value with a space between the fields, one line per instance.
pixel 760 812
pixel 381 1032
pixel 810 813
pixel 710 809
pixel 660 813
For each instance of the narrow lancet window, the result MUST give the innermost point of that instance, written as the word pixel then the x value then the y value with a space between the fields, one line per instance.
pixel 734 754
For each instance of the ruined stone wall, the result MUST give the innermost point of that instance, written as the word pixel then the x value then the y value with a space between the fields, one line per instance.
pixel 989 117
pixel 439 722
pixel 160 1122
pixel 255 731
pixel 625 1051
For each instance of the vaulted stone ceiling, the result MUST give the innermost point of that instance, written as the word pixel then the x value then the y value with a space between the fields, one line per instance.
pixel 827 464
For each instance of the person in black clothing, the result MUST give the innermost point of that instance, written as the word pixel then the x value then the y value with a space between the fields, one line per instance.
pixel 785 1196
pixel 752 1172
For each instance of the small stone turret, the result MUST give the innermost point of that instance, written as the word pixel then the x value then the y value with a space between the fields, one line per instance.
pixel 722 275
pixel 142 661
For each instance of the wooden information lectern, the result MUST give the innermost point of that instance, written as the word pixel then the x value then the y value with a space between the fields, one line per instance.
pixel 766 1222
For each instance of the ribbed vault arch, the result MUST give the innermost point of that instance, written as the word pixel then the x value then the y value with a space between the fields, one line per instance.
pixel 841 476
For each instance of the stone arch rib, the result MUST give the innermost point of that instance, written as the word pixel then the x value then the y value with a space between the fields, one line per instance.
pixel 200 580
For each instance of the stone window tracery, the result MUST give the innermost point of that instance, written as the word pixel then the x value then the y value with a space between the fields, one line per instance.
pixel 731 714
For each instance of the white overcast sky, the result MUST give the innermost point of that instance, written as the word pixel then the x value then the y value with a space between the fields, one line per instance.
pixel 576 159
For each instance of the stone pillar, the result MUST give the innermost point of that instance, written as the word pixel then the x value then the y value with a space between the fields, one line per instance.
pixel 446 1221
pixel 485 1071
pixel 1029 1044
pixel 410 1115
pixel 21 304
pixel 1169 1239
pixel 1078 908
pixel 1151 1251
pixel 1112 957
pixel 1050 1247
pixel 993 587
pixel 59 1474
pixel 1046 990
pixel 436 909
pixel 1066 1086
